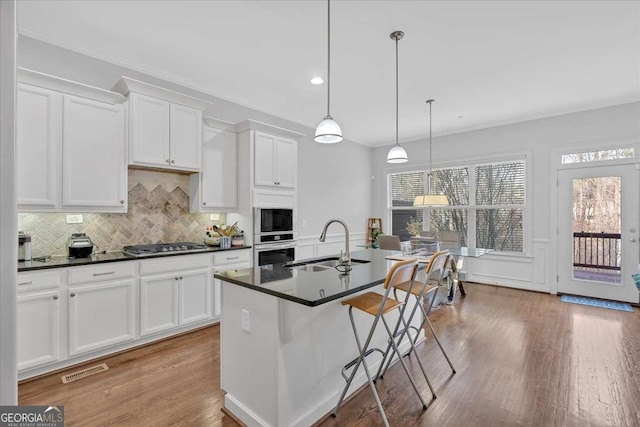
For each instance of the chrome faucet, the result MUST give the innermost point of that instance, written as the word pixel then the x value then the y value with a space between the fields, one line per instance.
pixel 346 258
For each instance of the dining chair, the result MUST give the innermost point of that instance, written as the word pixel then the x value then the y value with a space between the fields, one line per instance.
pixel 389 241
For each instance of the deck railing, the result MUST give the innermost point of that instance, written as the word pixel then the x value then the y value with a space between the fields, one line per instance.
pixel 596 250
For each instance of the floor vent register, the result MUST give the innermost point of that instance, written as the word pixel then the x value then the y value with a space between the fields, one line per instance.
pixel 75 376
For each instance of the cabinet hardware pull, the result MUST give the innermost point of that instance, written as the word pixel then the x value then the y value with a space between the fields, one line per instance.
pixel 168 161
pixel 55 297
pixel 175 278
pixel 104 274
pixel 25 283
pixel 173 161
pixel 122 202
pixel 232 257
pixel 180 277
pixel 204 203
pixel 72 295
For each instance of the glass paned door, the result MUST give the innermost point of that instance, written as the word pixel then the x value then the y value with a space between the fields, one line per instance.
pixel 598 232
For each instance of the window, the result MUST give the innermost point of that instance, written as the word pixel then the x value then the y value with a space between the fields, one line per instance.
pixel 597 156
pixel 486 204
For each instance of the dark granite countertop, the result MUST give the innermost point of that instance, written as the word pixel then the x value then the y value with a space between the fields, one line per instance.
pixel 61 262
pixel 314 288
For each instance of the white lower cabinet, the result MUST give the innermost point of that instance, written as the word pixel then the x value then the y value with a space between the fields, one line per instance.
pixel 175 292
pixel 158 303
pixel 39 323
pixel 224 261
pixel 195 296
pixel 174 299
pixel 101 315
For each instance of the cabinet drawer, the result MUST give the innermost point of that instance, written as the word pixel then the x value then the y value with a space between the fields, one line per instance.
pixel 40 280
pixel 97 273
pixel 231 257
pixel 174 263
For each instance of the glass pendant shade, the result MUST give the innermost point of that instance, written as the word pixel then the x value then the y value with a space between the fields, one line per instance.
pixel 397 155
pixel 328 131
pixel 431 200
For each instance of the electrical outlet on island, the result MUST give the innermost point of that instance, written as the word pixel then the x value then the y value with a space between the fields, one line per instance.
pixel 246 320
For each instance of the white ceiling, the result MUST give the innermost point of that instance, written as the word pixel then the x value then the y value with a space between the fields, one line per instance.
pixel 493 62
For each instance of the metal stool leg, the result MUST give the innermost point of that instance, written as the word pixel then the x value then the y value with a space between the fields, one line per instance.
pixel 384 363
pixel 362 360
pixel 404 366
pixel 426 320
pixel 413 348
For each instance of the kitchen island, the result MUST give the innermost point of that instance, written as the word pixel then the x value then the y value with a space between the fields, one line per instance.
pixel 285 337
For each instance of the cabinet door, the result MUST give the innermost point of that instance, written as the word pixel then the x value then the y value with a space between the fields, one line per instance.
pixel 158 303
pixel 195 296
pixel 264 159
pixel 217 285
pixel 149 127
pixel 219 186
pixel 286 161
pixel 101 315
pixel 186 137
pixel 38 329
pixel 94 173
pixel 38 145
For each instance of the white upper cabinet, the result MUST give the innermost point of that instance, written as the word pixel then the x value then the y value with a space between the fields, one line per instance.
pixel 70 146
pixel 39 142
pixel 149 130
pixel 216 188
pixel 275 161
pixel 186 137
pixel 93 154
pixel 165 127
pixel 265 159
pixel 286 160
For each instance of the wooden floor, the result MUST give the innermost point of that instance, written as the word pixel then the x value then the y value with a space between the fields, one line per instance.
pixel 523 358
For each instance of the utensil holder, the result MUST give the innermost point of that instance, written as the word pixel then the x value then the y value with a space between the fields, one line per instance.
pixel 225 242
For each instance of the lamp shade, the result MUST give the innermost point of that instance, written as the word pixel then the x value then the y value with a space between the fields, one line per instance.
pixel 328 131
pixel 397 155
pixel 431 200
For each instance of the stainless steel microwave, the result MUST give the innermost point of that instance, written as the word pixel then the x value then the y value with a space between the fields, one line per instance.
pixel 273 221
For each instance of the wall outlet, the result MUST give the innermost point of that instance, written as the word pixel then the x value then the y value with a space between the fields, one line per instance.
pixel 74 219
pixel 246 320
pixel 214 217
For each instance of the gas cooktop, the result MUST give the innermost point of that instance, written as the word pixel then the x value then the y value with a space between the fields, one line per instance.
pixel 163 248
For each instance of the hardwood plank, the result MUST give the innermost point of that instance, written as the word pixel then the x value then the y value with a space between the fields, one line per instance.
pixel 523 358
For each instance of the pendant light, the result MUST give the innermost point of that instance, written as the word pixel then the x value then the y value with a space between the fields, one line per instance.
pixel 328 131
pixel 430 199
pixel 397 153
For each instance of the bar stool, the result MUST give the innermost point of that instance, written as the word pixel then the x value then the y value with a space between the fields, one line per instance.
pixel 378 305
pixel 435 272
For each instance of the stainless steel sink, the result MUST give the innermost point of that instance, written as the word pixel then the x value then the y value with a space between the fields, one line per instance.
pixel 322 264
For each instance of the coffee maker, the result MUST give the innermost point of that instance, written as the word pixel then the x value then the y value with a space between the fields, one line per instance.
pixel 24 246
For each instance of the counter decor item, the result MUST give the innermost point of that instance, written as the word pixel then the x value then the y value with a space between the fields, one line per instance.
pixel 238 238
pixel 211 236
pixel 225 242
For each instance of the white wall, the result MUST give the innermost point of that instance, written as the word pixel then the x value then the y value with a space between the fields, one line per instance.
pixel 536 137
pixel 333 180
pixel 8 221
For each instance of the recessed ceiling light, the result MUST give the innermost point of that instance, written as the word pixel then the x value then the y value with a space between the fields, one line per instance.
pixel 317 81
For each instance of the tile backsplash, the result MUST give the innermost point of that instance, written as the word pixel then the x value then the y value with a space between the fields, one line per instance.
pixel 158 212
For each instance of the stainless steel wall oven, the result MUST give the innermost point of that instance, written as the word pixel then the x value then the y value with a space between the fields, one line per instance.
pixel 274 236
